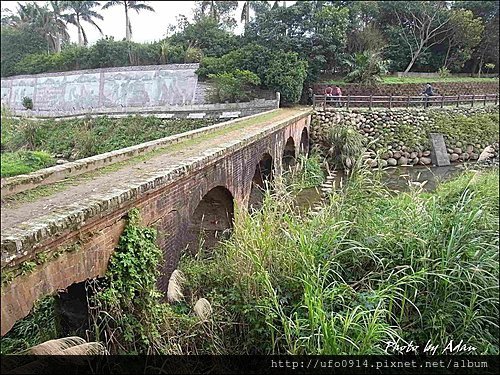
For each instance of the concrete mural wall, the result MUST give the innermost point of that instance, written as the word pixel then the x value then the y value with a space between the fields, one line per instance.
pixel 98 89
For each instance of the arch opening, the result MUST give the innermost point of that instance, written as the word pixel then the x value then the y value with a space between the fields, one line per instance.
pixel 211 221
pixel 288 159
pixel 262 177
pixel 304 142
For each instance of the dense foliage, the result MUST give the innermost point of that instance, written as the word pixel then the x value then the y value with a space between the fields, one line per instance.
pixel 317 36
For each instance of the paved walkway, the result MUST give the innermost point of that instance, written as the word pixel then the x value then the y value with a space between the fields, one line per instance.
pixel 18 215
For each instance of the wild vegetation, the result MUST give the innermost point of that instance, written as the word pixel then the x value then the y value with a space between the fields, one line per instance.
pixel 287 47
pixel 30 145
pixel 369 268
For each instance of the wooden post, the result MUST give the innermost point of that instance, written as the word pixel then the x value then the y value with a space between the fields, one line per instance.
pixel 390 102
pixel 484 101
pixel 348 100
pixel 473 99
pixel 458 100
pixel 314 100
pixel 442 101
pixel 371 98
pixel 408 102
pixel 324 102
pixel 496 99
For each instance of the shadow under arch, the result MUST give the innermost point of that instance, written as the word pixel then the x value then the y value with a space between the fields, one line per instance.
pixel 304 142
pixel 288 159
pixel 211 221
pixel 262 177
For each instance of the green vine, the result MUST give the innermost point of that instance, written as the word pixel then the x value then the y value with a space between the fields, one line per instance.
pixel 129 306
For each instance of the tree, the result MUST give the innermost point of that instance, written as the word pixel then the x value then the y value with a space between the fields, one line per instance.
pixel 488 47
pixel 82 11
pixel 286 73
pixel 421 24
pixel 220 11
pixel 59 28
pixel 129 5
pixel 465 34
pixel 18 42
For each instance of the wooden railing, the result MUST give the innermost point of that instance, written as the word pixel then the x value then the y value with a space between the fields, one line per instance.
pixel 403 101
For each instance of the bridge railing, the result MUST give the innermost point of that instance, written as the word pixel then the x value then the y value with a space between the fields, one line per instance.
pixel 403 101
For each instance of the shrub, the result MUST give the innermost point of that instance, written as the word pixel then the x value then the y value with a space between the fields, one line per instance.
pixel 234 86
pixel 366 67
pixel 286 74
pixel 444 72
pixel 27 102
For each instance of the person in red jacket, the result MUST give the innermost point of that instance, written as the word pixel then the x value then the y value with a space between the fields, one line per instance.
pixel 329 91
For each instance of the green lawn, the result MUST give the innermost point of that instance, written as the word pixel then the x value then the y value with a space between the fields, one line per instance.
pixel 390 80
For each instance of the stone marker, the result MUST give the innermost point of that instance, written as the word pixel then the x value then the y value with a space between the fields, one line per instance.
pixel 439 153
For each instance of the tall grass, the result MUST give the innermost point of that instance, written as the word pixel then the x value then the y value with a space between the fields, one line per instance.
pixel 368 269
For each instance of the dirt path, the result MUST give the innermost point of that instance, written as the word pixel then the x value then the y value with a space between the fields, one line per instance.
pixel 15 213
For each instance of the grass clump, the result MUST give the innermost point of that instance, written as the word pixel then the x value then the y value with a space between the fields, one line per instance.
pixel 39 326
pixel 22 162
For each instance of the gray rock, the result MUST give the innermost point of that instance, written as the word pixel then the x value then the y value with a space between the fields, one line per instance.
pixel 426 153
pixel 383 163
pixel 454 157
pixel 61 161
pixel 392 162
pixel 469 149
pixel 457 150
pixel 425 160
pixel 464 156
pixel 397 155
pixel 403 161
pixel 413 155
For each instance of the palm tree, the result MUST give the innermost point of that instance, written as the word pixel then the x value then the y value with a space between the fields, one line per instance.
pixel 59 21
pixel 48 23
pixel 218 9
pixel 82 11
pixel 256 6
pixel 135 5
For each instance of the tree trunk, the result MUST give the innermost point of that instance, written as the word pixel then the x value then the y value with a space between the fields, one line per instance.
pixel 58 43
pixel 127 24
pixel 80 41
pixel 445 64
pixel 414 58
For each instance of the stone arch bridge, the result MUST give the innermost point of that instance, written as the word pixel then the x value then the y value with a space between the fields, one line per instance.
pixel 67 236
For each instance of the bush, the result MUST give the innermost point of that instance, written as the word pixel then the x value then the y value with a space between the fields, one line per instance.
pixel 444 72
pixel 366 68
pixel 286 74
pixel 234 86
pixel 27 102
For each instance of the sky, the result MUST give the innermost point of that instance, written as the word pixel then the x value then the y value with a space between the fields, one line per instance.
pixel 146 26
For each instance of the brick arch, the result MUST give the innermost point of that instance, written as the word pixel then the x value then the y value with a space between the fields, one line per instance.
pixel 262 173
pixel 211 219
pixel 304 141
pixel 289 154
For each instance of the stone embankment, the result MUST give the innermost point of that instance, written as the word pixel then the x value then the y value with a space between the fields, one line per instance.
pixel 401 136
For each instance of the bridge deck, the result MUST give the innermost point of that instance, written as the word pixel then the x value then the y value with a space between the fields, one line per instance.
pixel 36 210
